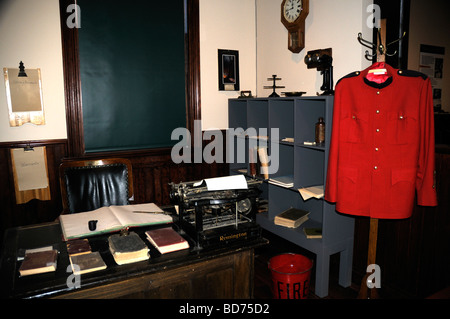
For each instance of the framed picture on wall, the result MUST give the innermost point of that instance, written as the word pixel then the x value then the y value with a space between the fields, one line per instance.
pixel 228 70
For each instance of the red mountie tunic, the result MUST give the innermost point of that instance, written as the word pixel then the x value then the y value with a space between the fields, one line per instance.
pixel 382 145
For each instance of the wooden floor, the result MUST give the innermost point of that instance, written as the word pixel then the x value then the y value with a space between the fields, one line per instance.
pixel 278 245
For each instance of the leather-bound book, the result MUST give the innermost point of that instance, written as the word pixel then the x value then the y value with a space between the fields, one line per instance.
pixel 166 240
pixel 39 262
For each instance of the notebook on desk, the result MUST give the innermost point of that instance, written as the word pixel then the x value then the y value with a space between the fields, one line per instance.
pixel 111 219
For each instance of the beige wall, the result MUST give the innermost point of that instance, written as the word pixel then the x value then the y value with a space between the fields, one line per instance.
pixel 230 25
pixel 254 28
pixel 330 24
pixel 30 32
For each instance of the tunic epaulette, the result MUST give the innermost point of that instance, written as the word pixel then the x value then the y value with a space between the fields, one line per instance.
pixel 411 73
pixel 350 75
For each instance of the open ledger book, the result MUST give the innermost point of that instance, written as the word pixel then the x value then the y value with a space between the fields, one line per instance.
pixel 112 218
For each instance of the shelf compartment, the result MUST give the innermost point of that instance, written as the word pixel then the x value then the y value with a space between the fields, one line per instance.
pixel 237 114
pixel 307 113
pixel 285 159
pixel 292 198
pixel 309 167
pixel 281 117
pixel 294 235
pixel 257 115
pixel 238 158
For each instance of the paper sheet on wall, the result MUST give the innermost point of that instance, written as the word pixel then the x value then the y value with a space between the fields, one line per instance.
pixel 30 167
pixel 25 91
pixel 24 97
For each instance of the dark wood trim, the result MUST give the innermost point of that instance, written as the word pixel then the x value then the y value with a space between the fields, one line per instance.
pixel 72 81
pixel 193 68
pixel 34 211
pixel 19 144
pixel 391 10
pixel 124 153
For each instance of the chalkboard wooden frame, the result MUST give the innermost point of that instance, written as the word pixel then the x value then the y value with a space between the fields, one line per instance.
pixel 72 80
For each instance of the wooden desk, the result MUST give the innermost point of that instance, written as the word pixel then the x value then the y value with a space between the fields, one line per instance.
pixel 225 272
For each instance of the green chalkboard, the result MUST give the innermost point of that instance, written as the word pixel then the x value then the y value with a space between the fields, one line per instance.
pixel 132 70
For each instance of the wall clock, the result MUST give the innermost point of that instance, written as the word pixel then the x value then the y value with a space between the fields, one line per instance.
pixel 293 16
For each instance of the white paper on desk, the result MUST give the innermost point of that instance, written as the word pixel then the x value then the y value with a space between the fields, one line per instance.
pixel 227 182
pixel 30 168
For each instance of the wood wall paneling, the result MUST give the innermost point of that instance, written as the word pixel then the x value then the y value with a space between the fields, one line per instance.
pixel 34 211
pixel 151 176
pixel 152 172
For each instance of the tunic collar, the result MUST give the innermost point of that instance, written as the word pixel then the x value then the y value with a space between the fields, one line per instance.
pixel 378 81
pixel 379 85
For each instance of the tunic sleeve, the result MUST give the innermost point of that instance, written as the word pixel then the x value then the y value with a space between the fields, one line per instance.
pixel 425 182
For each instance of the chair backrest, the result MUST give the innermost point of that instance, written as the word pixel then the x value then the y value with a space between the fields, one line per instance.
pixel 90 184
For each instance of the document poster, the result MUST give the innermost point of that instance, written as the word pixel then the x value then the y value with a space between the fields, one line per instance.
pixel 432 64
pixel 30 168
pixel 24 96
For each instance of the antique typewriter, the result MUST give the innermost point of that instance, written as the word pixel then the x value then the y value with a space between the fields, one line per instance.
pixel 216 215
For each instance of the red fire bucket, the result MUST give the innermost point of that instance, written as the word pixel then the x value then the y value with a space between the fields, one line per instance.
pixel 290 276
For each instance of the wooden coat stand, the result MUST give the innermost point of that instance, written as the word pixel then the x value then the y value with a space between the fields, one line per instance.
pixel 380 50
pixel 365 292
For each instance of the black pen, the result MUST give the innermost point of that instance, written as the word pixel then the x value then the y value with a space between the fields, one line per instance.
pixel 145 212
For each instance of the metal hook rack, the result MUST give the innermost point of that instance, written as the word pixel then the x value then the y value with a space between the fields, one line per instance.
pixel 378 48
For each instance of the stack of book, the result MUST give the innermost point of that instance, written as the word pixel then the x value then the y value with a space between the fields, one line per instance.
pixel 128 248
pixel 82 259
pixel 283 181
pixel 292 217
pixel 166 240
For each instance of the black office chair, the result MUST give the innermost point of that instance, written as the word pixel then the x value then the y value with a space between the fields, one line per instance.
pixel 90 184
